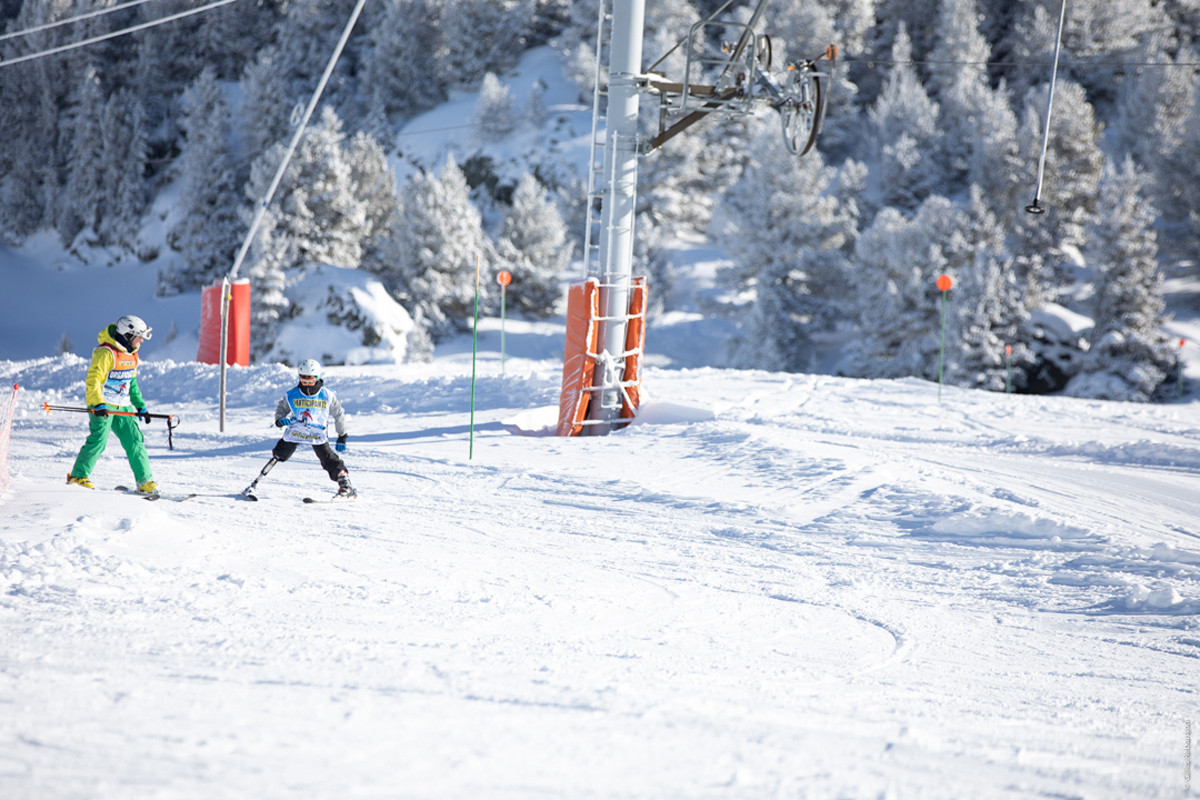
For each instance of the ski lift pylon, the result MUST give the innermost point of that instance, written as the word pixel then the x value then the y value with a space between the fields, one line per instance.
pixel 735 77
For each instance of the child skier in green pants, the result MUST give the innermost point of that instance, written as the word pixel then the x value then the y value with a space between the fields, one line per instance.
pixel 112 386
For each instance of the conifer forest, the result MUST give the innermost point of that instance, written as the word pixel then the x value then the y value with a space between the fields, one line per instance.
pixel 928 157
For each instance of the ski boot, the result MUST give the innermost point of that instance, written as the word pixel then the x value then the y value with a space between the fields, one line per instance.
pixel 345 490
pixel 84 482
pixel 149 487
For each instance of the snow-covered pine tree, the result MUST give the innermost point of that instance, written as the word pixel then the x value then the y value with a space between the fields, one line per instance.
pixel 265 118
pixel 1029 38
pixel 404 45
pixel 988 313
pixel 681 182
pixel 1151 100
pixel 210 229
pixel 667 23
pixel 1174 145
pixel 995 164
pixel 1107 32
pixel 166 60
pixel 1130 357
pixel 374 185
pixel 124 153
pixel 788 232
pixel 799 28
pixel 481 36
pixel 32 153
pixel 321 214
pixel 229 36
pixel 307 35
pixel 896 263
pixel 29 155
pixel 533 246
pixel 1047 246
pixel 958 81
pixel 435 251
pixel 266 266
pixel 904 129
pixel 82 201
pixel 496 113
pixel 779 326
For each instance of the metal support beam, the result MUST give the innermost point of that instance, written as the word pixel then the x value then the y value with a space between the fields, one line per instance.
pixel 620 200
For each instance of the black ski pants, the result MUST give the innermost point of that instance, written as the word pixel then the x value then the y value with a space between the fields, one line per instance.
pixel 330 460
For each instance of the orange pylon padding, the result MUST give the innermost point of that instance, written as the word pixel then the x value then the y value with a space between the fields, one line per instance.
pixel 582 347
pixel 579 356
pixel 635 346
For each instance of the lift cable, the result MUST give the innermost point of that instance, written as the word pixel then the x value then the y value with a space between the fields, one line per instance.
pixel 124 31
pixel 89 15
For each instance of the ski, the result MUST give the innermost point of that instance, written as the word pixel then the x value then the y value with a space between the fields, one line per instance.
pixel 337 498
pixel 156 495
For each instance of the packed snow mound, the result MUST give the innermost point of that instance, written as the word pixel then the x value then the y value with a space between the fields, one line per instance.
pixel 722 583
pixel 991 526
pixel 342 316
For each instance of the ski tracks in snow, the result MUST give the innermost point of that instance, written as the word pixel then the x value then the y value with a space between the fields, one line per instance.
pixel 824 587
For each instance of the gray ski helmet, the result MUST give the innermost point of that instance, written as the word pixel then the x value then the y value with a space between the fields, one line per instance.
pixel 309 368
pixel 130 326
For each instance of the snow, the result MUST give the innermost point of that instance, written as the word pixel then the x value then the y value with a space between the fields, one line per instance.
pixel 562 132
pixel 769 586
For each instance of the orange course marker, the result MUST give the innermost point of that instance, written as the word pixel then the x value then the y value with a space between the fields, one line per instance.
pixel 944 283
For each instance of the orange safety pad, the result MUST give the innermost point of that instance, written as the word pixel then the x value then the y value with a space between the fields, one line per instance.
pixel 635 347
pixel 579 356
pixel 237 347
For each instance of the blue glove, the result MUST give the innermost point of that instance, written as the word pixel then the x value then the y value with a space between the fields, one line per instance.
pixel 100 410
pixel 283 422
pixel 144 415
pixel 341 443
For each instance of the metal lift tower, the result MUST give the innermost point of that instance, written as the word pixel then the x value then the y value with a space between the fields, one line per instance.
pixel 606 314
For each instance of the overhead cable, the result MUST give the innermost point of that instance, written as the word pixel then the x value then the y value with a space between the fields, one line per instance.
pixel 1075 65
pixel 114 34
pixel 89 15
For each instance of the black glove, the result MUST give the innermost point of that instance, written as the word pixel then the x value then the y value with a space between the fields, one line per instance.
pixel 100 410
pixel 341 443
pixel 144 415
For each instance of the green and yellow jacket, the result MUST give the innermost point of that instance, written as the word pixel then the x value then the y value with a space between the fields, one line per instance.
pixel 112 376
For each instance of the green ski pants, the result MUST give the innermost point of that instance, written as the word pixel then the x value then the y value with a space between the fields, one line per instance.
pixel 130 436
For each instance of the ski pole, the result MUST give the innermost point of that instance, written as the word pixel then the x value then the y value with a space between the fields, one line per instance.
pixel 172 420
pixel 48 408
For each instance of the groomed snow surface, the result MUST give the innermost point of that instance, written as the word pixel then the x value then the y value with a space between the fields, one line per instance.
pixel 770 586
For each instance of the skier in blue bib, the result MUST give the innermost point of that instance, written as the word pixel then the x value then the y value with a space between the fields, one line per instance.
pixel 305 413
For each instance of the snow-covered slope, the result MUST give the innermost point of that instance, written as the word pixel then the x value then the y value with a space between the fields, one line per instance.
pixel 770 586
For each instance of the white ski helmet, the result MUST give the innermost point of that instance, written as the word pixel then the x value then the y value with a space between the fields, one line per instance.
pixel 130 326
pixel 309 368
